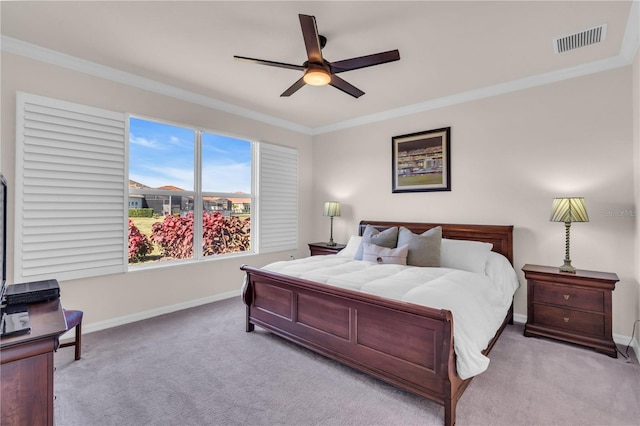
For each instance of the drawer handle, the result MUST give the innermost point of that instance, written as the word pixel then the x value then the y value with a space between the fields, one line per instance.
pixel 566 319
pixel 566 297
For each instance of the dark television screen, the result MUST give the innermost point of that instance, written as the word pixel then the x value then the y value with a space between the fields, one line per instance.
pixel 3 231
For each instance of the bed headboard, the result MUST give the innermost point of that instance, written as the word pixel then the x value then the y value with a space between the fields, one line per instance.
pixel 501 236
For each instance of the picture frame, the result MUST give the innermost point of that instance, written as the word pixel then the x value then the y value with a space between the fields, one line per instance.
pixel 421 162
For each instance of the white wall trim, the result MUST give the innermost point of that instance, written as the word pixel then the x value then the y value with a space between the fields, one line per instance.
pixel 482 93
pixel 139 316
pixel 627 340
pixel 50 56
pixel 631 38
pixel 520 318
pixel 625 58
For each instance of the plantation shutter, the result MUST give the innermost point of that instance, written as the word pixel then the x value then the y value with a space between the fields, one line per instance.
pixel 277 198
pixel 70 190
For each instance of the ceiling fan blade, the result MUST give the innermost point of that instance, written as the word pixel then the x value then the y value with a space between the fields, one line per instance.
pixel 270 63
pixel 311 39
pixel 294 88
pixel 347 88
pixel 364 61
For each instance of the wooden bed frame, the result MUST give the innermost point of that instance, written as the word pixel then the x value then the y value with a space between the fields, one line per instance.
pixel 407 345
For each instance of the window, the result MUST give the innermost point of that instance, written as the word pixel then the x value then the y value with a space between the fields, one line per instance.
pixel 73 199
pixel 177 174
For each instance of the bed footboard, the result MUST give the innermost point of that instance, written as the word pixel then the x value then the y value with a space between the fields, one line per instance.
pixel 407 345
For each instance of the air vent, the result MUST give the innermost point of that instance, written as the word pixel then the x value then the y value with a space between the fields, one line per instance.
pixel 583 38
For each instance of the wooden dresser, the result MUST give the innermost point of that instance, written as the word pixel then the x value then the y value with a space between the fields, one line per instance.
pixel 26 373
pixel 572 307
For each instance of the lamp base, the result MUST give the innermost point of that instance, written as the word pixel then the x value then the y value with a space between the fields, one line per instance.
pixel 567 257
pixel 331 243
pixel 567 267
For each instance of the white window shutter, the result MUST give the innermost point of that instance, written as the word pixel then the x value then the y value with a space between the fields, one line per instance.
pixel 277 198
pixel 70 197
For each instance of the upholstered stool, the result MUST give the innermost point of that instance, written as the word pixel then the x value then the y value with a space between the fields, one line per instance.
pixel 74 319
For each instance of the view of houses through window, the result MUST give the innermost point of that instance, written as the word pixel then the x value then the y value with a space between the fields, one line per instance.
pixel 177 174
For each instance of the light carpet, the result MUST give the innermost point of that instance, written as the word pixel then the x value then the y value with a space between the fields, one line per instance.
pixel 199 367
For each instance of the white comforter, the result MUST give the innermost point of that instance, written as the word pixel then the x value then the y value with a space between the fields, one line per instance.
pixel 478 302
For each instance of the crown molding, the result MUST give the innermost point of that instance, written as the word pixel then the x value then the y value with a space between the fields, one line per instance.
pixel 482 93
pixel 628 51
pixel 631 38
pixel 630 45
pixel 42 54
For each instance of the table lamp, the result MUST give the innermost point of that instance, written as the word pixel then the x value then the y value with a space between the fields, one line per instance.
pixel 568 210
pixel 331 209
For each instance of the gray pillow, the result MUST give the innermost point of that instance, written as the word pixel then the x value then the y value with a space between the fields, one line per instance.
pixel 387 238
pixel 424 249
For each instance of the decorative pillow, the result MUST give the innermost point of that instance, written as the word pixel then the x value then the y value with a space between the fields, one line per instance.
pixel 464 254
pixel 352 247
pixel 378 254
pixel 424 249
pixel 387 238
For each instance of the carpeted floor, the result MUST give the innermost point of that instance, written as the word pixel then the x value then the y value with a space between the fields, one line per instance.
pixel 199 367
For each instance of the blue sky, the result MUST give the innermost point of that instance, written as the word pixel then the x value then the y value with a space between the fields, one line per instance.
pixel 162 154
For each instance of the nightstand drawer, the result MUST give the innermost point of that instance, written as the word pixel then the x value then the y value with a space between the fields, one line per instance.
pixel 567 319
pixel 571 297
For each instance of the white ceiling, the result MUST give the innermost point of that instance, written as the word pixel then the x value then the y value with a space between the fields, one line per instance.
pixel 450 51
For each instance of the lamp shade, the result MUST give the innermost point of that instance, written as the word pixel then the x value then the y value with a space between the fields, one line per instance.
pixel 331 208
pixel 570 209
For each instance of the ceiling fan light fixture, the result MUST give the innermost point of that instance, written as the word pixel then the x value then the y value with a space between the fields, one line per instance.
pixel 317 70
pixel 317 76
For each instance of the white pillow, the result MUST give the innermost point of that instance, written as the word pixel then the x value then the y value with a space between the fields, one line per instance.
pixel 351 248
pixel 464 254
pixel 379 254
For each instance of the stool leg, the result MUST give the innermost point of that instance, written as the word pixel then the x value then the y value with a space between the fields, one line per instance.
pixel 78 340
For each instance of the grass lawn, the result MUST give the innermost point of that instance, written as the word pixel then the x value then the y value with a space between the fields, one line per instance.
pixel 144 224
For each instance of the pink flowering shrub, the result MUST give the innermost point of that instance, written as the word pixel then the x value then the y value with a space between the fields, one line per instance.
pixel 139 244
pixel 174 235
pixel 225 234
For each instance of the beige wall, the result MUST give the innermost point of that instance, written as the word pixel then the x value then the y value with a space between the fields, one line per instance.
pixel 511 155
pixel 111 298
pixel 636 140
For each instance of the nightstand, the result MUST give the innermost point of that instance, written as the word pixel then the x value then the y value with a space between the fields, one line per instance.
pixel 572 307
pixel 320 249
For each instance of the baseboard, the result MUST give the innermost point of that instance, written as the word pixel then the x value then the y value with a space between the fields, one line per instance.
pixel 138 316
pixel 619 339
pixel 628 340
pixel 519 318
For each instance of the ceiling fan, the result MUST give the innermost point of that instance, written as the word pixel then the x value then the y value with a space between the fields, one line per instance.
pixel 317 70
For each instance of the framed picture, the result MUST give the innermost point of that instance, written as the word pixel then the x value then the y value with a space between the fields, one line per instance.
pixel 422 161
